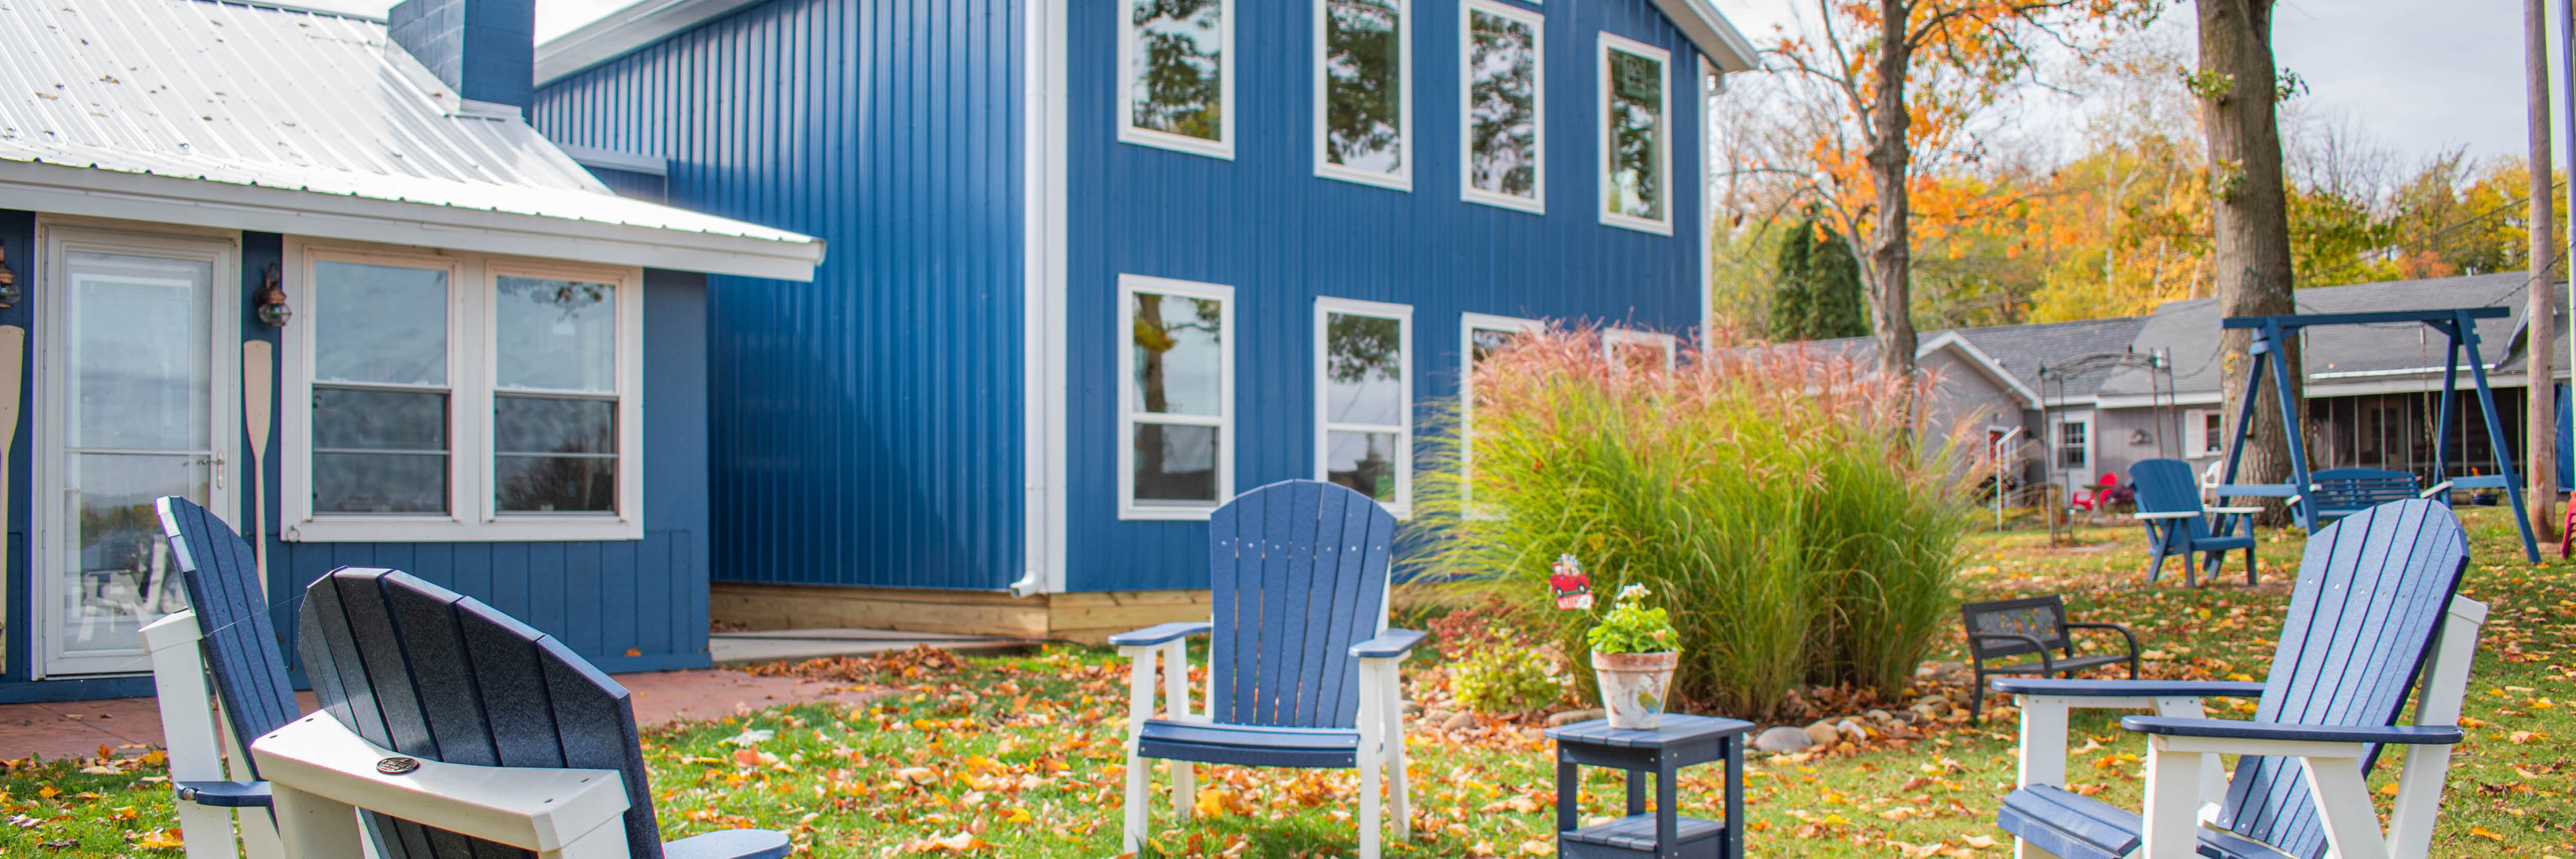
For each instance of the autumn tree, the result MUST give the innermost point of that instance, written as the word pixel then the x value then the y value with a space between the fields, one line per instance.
pixel 1909 75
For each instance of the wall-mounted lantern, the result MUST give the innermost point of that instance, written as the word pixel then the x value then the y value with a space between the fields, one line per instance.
pixel 271 299
pixel 8 279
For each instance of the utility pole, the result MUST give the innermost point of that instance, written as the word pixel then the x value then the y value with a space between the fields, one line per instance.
pixel 2540 425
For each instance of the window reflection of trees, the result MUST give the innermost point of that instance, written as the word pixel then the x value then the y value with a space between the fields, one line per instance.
pixel 1179 67
pixel 1174 462
pixel 1636 136
pixel 1364 85
pixel 1502 105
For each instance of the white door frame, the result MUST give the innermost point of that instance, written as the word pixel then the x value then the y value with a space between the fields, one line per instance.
pixel 48 517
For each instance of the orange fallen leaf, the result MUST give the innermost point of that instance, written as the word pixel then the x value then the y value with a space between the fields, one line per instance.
pixel 161 839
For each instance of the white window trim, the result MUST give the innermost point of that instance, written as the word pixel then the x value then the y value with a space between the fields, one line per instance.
pixel 2057 443
pixel 1122 341
pixel 1613 338
pixel 1402 506
pixel 1125 102
pixel 2195 434
pixel 1402 178
pixel 1468 325
pixel 1601 133
pixel 473 515
pixel 1467 190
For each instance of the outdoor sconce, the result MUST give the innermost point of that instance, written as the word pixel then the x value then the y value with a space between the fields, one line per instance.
pixel 272 300
pixel 8 279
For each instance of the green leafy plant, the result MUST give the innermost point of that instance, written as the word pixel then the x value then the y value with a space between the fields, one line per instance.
pixel 1784 506
pixel 1507 676
pixel 1631 626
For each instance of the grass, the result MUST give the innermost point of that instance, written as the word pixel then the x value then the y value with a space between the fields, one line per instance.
pixel 1020 756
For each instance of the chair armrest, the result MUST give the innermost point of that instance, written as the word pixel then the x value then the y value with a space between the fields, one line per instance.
pixel 2127 688
pixel 2170 514
pixel 2047 665
pixel 2122 630
pixel 2234 511
pixel 1160 633
pixel 2229 729
pixel 224 794
pixel 1391 643
pixel 2435 489
pixel 729 844
pixel 526 807
pixel 2256 490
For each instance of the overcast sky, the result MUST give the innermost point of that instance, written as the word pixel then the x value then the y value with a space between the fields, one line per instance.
pixel 2423 75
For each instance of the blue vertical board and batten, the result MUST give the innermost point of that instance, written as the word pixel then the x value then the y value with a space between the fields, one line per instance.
pixel 866 425
pixel 1266 225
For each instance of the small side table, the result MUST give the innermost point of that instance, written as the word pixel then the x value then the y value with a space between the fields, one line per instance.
pixel 1679 741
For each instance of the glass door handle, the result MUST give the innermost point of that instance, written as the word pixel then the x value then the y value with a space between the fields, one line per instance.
pixel 216 464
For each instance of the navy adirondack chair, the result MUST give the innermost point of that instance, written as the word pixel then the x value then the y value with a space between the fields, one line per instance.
pixel 1301 666
pixel 2341 492
pixel 226 629
pixel 463 734
pixel 2177 524
pixel 2374 610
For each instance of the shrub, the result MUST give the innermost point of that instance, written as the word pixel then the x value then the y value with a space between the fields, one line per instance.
pixel 1506 677
pixel 1775 501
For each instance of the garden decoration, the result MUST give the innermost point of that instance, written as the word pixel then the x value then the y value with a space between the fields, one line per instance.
pixel 458 731
pixel 2373 613
pixel 1633 656
pixel 225 629
pixel 1301 664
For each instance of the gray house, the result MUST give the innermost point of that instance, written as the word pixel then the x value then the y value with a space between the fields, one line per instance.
pixel 2008 379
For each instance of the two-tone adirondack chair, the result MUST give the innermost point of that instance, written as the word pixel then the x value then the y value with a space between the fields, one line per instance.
pixel 1301 666
pixel 2341 492
pixel 462 734
pixel 226 629
pixel 2374 610
pixel 2179 525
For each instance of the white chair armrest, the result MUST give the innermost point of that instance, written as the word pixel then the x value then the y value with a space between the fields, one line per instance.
pixel 2171 514
pixel 2235 511
pixel 2435 489
pixel 530 808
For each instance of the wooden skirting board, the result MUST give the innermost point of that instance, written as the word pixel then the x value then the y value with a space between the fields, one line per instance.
pixel 1084 617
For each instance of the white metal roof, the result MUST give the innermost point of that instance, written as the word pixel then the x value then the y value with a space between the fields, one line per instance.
pixel 262 118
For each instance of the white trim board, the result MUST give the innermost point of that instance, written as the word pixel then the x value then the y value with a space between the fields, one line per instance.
pixel 623 32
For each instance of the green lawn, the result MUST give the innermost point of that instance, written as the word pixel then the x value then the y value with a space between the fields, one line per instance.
pixel 1020 756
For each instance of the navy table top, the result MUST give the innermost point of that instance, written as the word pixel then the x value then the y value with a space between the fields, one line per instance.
pixel 1673 729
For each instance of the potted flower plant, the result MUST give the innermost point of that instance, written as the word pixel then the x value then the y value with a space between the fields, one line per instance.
pixel 1633 656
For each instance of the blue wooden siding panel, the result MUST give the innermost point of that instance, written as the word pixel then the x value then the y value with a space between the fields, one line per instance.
pixel 866 425
pixel 1266 225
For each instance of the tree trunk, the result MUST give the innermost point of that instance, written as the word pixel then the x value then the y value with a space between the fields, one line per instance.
pixel 2249 211
pixel 1891 256
pixel 2540 427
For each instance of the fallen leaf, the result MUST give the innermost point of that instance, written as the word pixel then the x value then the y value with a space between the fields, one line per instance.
pixel 1980 842
pixel 161 839
pixel 2483 832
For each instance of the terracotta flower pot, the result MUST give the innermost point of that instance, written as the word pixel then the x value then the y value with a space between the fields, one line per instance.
pixel 1633 686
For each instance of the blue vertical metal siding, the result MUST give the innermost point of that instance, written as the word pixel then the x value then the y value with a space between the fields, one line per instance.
pixel 866 425
pixel 1266 225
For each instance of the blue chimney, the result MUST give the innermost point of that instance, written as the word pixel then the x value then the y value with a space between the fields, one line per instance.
pixel 486 49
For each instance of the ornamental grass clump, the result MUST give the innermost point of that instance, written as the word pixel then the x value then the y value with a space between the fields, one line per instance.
pixel 1775 501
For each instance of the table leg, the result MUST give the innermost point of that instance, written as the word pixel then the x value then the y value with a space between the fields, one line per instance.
pixel 1636 780
pixel 1667 811
pixel 1731 843
pixel 1569 795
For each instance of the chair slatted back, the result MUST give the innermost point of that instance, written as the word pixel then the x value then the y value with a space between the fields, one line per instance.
pixel 2350 488
pixel 433 674
pixel 2370 600
pixel 239 641
pixel 2167 486
pixel 1299 574
pixel 2043 618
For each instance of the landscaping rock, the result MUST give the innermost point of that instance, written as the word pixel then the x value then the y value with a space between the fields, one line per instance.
pixel 1879 716
pixel 1436 718
pixel 1898 731
pixel 1459 722
pixel 1823 733
pixel 1559 720
pixel 1852 731
pixel 1782 739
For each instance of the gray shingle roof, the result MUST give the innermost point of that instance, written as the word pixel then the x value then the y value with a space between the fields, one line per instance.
pixel 2189 329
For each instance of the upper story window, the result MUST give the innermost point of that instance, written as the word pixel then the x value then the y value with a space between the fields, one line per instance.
pixel 1636 154
pixel 436 397
pixel 1364 399
pixel 1363 117
pixel 1176 398
pixel 1502 87
pixel 1176 75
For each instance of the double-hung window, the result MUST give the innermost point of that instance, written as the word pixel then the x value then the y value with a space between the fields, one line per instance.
pixel 1638 350
pixel 1363 112
pixel 435 397
pixel 1636 149
pixel 1364 399
pixel 2075 442
pixel 1502 86
pixel 1176 398
pixel 1479 335
pixel 1176 75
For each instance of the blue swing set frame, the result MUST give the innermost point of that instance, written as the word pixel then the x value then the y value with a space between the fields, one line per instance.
pixel 2458 324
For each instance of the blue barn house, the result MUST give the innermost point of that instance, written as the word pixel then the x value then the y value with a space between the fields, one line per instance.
pixel 318 274
pixel 1101 264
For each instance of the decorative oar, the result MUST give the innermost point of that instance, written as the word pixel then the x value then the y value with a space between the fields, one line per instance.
pixel 13 358
pixel 256 396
